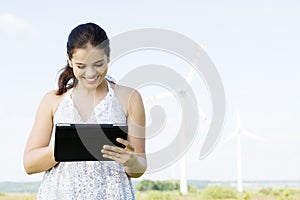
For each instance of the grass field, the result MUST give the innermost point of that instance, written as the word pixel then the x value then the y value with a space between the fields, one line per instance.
pixel 17 196
pixel 209 193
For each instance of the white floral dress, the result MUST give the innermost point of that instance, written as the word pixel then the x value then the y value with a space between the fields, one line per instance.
pixel 87 180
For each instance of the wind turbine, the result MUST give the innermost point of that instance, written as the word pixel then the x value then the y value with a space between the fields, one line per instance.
pixel 238 133
pixel 182 94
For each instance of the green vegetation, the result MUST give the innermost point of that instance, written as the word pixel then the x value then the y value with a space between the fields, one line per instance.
pixel 169 190
pixel 265 191
pixel 281 194
pixel 218 192
pixel 157 195
pixel 17 196
pixel 147 185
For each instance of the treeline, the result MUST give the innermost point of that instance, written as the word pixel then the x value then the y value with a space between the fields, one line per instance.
pixel 147 185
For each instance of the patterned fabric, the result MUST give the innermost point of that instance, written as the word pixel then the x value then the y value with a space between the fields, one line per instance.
pixel 87 180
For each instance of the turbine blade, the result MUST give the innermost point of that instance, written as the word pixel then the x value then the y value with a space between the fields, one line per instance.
pixel 229 138
pixel 189 78
pixel 254 136
pixel 190 75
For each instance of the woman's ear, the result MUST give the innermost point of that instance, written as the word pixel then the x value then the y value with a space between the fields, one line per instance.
pixel 69 61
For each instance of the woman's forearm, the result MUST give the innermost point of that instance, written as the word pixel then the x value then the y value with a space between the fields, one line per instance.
pixel 39 160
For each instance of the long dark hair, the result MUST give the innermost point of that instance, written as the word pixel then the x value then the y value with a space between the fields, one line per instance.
pixel 80 37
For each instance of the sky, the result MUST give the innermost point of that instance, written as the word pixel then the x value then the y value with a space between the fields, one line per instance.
pixel 254 46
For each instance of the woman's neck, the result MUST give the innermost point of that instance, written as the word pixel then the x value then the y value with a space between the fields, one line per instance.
pixel 83 91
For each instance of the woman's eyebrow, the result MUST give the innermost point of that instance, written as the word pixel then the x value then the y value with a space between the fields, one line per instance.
pixel 79 62
pixel 101 60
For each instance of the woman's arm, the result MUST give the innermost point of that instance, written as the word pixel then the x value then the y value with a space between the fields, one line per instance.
pixel 136 135
pixel 133 156
pixel 38 156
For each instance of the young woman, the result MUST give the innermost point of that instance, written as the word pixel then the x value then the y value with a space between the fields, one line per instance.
pixel 87 95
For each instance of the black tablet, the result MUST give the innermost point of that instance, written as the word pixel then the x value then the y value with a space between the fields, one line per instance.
pixel 83 142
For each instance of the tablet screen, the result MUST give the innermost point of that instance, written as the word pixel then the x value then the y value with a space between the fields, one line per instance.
pixel 83 142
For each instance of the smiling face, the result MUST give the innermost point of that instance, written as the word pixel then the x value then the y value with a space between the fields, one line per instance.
pixel 89 66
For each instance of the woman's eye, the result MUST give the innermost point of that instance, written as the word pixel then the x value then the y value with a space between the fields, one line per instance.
pixel 80 66
pixel 99 65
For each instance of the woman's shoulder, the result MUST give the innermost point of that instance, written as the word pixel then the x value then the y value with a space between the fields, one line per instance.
pixel 52 99
pixel 126 91
pixel 128 95
pixel 53 96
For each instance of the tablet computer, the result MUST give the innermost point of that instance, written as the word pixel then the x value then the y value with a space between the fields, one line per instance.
pixel 83 142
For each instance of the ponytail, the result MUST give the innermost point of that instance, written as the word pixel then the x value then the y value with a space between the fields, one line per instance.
pixel 66 80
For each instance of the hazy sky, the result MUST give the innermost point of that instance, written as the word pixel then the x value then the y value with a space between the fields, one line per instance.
pixel 254 45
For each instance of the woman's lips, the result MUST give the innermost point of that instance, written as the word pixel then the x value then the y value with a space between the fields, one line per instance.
pixel 92 80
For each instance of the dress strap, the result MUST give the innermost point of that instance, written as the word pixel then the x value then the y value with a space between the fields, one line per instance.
pixel 110 78
pixel 110 88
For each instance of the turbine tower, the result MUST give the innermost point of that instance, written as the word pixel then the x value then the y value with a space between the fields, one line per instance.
pixel 238 133
pixel 182 94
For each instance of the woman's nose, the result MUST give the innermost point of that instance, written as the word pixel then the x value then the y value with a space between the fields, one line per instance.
pixel 90 72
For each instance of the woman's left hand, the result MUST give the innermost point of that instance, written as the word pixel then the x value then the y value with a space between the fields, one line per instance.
pixel 124 156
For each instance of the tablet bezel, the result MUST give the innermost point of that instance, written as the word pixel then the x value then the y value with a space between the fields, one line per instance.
pixel 83 142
